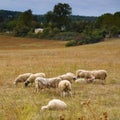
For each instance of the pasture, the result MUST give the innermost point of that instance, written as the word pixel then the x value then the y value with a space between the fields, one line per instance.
pixel 89 101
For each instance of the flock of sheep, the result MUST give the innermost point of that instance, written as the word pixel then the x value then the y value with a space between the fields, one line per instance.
pixel 62 82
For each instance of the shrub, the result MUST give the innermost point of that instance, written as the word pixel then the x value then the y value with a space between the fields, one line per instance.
pixel 71 43
pixel 21 31
pixel 93 37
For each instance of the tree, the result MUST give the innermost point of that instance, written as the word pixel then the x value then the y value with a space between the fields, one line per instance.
pixel 59 17
pixel 62 13
pixel 26 18
pixel 24 23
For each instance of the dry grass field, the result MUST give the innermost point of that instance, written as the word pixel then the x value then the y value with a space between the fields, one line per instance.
pixel 89 101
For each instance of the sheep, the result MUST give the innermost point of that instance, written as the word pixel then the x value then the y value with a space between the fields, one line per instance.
pixel 64 87
pixel 85 74
pixel 46 82
pixel 78 72
pixel 32 78
pixel 41 83
pixel 68 76
pixel 100 74
pixel 72 74
pixel 55 104
pixel 81 80
pixel 53 82
pixel 21 78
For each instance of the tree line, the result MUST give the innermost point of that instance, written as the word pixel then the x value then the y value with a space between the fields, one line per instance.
pixel 60 24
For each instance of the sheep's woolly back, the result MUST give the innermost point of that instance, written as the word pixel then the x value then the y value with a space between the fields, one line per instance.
pixel 41 83
pixel 53 82
pixel 99 74
pixel 21 78
pixel 32 78
pixel 39 74
pixel 68 76
pixel 55 104
pixel 78 72
pixel 64 87
pixel 41 80
pixel 81 80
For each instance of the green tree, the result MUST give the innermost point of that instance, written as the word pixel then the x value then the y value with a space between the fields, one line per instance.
pixel 59 17
pixel 24 23
pixel 26 18
pixel 62 13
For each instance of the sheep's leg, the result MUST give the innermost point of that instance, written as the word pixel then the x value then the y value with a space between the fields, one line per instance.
pixel 103 82
pixel 70 93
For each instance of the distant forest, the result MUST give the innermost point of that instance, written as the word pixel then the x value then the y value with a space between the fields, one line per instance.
pixel 8 15
pixel 60 24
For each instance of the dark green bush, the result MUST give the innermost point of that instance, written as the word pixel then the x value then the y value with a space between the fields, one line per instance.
pixel 21 31
pixel 71 43
pixel 93 37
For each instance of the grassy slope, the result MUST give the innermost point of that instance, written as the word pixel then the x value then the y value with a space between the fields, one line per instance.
pixel 20 55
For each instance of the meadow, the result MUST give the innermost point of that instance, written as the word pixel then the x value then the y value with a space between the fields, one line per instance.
pixel 89 101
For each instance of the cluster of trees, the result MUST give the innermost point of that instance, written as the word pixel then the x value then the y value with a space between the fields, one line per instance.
pixel 60 24
pixel 18 23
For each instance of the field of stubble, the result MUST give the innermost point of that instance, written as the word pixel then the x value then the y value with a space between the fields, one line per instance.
pixel 89 101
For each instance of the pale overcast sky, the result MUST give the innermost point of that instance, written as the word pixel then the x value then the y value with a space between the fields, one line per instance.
pixel 79 7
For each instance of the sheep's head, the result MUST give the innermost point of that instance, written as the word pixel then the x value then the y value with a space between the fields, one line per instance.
pixel 74 78
pixel 90 80
pixel 26 83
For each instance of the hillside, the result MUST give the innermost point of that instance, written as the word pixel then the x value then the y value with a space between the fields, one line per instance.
pixel 89 101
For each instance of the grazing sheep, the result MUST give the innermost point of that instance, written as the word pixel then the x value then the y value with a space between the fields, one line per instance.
pixel 72 75
pixel 53 82
pixel 100 74
pixel 85 74
pixel 68 76
pixel 32 78
pixel 81 80
pixel 64 87
pixel 55 104
pixel 41 83
pixel 21 78
pixel 78 72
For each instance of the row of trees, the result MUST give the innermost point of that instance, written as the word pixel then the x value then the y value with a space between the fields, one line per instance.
pixel 58 24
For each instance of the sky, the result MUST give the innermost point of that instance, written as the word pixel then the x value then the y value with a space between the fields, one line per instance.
pixel 79 7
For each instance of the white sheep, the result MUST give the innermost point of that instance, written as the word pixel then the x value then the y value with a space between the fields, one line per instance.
pixel 78 72
pixel 64 87
pixel 32 78
pixel 87 75
pixel 21 78
pixel 68 76
pixel 81 80
pixel 53 82
pixel 55 104
pixel 41 83
pixel 72 74
pixel 100 74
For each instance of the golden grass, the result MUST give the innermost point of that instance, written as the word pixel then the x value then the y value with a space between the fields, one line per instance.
pixel 20 55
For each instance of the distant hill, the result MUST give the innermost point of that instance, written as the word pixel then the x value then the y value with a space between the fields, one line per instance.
pixel 83 18
pixel 9 14
pixel 6 14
